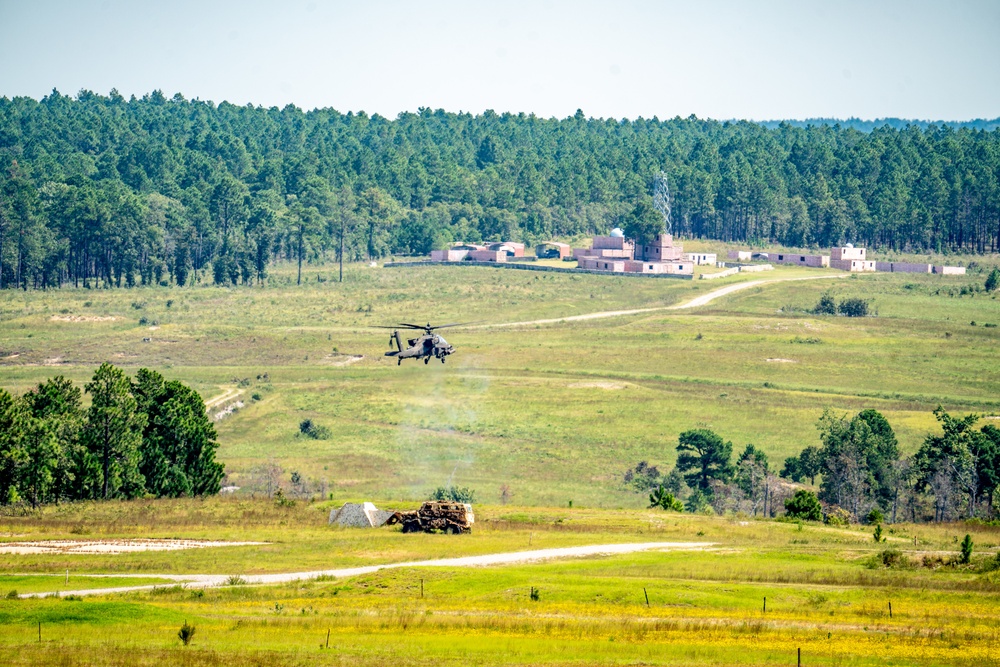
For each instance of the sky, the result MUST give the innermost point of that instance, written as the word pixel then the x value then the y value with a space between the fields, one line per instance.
pixel 722 59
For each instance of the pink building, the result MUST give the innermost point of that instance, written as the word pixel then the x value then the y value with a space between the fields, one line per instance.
pixel 488 256
pixel 553 250
pixel 615 253
pixel 815 261
pixel 662 249
pixel 853 265
pixel 847 252
pixel 602 264
pixel 903 267
pixel 509 247
pixel 448 255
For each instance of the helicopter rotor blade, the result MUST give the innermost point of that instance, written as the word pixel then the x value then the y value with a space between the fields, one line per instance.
pixel 455 324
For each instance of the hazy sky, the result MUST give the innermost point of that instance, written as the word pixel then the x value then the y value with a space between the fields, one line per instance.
pixel 718 59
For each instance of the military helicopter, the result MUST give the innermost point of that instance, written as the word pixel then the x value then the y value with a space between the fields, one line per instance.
pixel 423 347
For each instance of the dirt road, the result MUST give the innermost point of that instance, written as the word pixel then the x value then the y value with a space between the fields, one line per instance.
pixel 693 303
pixel 207 580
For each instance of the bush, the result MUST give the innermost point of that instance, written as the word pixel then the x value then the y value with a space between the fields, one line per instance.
pixel 826 305
pixel 838 517
pixel 877 535
pixel 993 280
pixel 891 558
pixel 804 505
pixel 454 494
pixel 875 516
pixel 663 498
pixel 853 308
pixel 309 428
pixel 186 633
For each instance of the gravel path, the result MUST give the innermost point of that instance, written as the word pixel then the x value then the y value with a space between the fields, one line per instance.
pixel 693 303
pixel 207 580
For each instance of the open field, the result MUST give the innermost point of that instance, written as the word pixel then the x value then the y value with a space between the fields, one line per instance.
pixel 824 592
pixel 556 411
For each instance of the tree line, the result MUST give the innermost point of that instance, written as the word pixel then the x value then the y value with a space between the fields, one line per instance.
pixel 862 476
pixel 106 191
pixel 142 437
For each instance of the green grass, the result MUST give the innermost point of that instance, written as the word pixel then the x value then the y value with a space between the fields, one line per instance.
pixel 558 411
pixel 705 607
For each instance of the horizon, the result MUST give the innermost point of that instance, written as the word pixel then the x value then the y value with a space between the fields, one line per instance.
pixel 764 121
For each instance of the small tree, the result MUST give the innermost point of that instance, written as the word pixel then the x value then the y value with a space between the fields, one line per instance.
pixel 966 548
pixel 993 280
pixel 663 498
pixel 804 505
pixel 186 633
pixel 826 305
pixel 877 535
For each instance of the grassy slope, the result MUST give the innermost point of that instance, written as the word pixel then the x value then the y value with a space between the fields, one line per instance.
pixel 555 411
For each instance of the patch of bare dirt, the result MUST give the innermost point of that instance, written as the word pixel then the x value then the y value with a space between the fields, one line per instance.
pixel 779 360
pixel 84 318
pixel 342 359
pixel 597 384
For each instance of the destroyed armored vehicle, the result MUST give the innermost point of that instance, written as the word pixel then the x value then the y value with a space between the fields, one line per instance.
pixel 434 517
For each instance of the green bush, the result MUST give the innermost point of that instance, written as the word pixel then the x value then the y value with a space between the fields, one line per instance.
pixel 826 305
pixel 804 505
pixel 454 494
pixel 311 429
pixel 663 498
pixel 853 308
pixel 875 516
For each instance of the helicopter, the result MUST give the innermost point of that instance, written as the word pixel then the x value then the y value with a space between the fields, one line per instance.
pixel 425 346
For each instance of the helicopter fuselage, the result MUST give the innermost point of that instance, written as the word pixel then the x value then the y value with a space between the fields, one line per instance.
pixel 426 347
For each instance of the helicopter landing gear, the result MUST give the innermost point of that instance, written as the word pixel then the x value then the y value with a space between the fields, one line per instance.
pixel 442 360
pixel 399 361
pixel 426 359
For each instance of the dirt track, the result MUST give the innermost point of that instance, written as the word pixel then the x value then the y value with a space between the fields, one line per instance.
pixel 208 580
pixel 693 303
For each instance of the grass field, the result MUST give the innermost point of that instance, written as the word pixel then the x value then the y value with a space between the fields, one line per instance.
pixel 557 412
pixel 824 593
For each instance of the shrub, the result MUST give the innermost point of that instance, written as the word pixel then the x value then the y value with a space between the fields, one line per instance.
pixel 826 305
pixel 454 494
pixel 235 580
pixel 993 280
pixel 853 308
pixel 186 633
pixel 534 594
pixel 838 517
pixel 309 428
pixel 877 535
pixel 663 498
pixel 875 516
pixel 891 558
pixel 12 595
pixel 804 505
pixel 966 550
